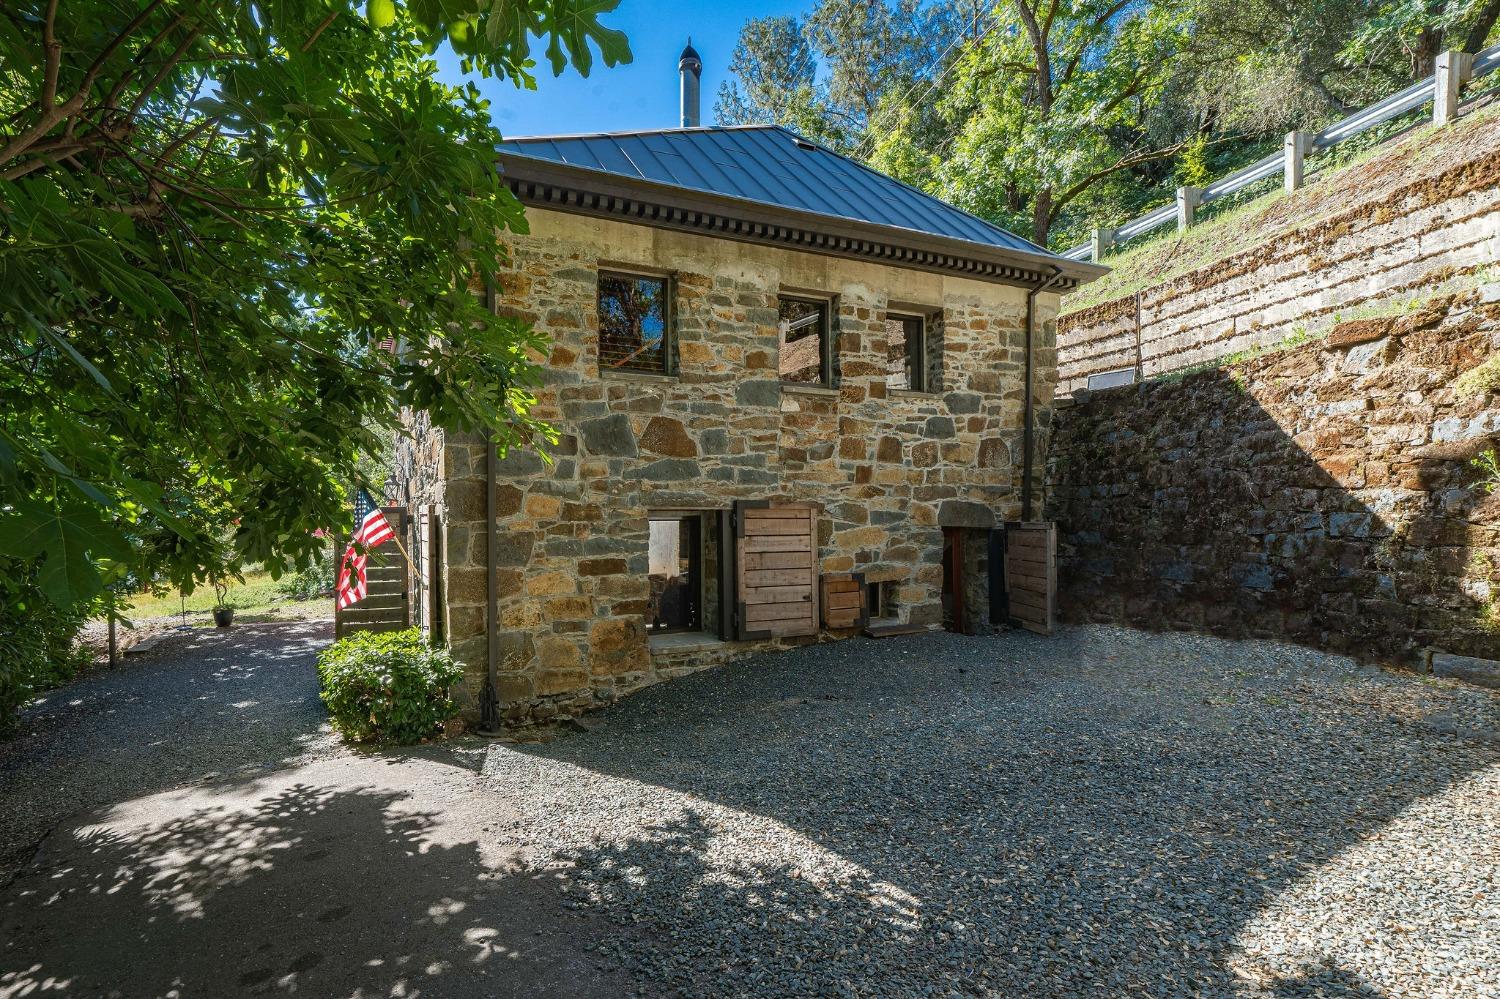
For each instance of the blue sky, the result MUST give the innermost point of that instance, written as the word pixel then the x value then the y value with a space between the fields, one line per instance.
pixel 640 95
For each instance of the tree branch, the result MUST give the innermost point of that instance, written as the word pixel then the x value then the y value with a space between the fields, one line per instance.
pixel 53 50
pixel 312 39
pixel 167 67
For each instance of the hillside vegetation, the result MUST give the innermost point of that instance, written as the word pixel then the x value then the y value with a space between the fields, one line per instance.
pixel 1423 153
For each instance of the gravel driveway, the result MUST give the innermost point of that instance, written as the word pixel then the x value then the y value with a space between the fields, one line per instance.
pixel 1103 813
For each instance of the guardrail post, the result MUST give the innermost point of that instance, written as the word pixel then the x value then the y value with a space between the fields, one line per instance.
pixel 1188 200
pixel 1452 72
pixel 1100 242
pixel 1294 151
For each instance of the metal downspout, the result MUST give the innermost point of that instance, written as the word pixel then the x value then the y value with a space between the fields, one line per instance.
pixel 489 705
pixel 1028 444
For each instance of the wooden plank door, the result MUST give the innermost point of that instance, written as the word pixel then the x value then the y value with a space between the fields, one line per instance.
pixel 775 567
pixel 844 604
pixel 1031 575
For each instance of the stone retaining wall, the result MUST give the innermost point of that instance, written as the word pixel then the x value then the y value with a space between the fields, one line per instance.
pixel 1425 210
pixel 1325 493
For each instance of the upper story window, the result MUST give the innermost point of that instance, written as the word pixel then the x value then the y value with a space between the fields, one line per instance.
pixel 634 323
pixel 806 355
pixel 906 364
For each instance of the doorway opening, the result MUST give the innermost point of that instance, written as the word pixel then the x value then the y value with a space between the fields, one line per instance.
pixel 676 573
pixel 953 579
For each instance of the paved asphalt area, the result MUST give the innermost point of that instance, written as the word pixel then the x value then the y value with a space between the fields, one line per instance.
pixel 1103 813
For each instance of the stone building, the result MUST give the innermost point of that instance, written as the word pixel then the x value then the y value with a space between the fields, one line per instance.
pixel 791 395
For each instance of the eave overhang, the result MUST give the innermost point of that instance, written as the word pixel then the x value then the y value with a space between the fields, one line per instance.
pixel 582 191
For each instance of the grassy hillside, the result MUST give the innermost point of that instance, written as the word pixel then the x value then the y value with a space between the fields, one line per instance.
pixel 1423 152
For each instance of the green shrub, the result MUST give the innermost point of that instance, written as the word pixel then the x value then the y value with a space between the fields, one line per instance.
pixel 388 687
pixel 37 649
pixel 310 583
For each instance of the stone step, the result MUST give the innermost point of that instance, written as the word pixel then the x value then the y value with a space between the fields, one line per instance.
pixel 892 630
pixel 1480 672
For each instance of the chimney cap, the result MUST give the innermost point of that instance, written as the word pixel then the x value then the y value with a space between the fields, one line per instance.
pixel 690 54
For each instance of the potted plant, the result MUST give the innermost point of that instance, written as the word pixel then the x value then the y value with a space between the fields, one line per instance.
pixel 223 609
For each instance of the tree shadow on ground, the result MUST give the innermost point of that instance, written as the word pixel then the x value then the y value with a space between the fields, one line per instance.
pixel 300 888
pixel 1055 817
pixel 213 705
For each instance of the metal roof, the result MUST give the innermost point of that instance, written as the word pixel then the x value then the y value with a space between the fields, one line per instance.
pixel 770 165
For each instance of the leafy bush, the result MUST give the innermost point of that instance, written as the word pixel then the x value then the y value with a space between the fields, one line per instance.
pixel 388 687
pixel 307 584
pixel 36 644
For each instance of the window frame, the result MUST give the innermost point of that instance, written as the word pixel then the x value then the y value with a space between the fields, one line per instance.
pixel 669 320
pixel 828 306
pixel 922 361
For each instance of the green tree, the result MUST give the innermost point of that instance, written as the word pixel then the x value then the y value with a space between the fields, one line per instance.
pixel 826 74
pixel 1420 29
pixel 1051 101
pixel 212 213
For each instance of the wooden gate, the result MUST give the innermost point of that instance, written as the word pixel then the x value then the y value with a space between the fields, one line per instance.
pixel 1031 574
pixel 775 565
pixel 386 606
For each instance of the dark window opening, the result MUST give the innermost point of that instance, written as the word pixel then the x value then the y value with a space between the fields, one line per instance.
pixel 806 342
pixel 876 601
pixel 906 363
pixel 675 572
pixel 633 323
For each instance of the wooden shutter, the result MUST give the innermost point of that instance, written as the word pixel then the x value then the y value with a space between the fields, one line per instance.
pixel 844 600
pixel 1031 574
pixel 437 634
pixel 775 567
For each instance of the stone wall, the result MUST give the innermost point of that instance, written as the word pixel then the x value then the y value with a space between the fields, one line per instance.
pixel 887 469
pixel 1356 239
pixel 1325 493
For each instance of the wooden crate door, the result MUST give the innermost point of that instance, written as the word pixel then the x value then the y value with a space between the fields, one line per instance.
pixel 1031 574
pixel 775 555
pixel 386 606
pixel 844 600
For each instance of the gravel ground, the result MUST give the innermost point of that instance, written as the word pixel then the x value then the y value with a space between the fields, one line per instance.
pixel 1106 812
pixel 204 705
pixel 1102 813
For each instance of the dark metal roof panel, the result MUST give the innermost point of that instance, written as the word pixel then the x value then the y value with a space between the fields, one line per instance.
pixel 771 165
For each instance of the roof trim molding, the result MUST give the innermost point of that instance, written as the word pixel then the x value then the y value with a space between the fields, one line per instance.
pixel 582 191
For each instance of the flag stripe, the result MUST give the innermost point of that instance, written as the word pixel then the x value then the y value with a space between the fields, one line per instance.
pixel 371 530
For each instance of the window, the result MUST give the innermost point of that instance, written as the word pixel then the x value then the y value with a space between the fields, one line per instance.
pixel 906 353
pixel 1112 379
pixel 876 602
pixel 676 573
pixel 806 344
pixel 633 323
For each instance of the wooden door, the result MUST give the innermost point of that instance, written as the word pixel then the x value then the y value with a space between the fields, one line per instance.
pixel 953 579
pixel 775 567
pixel 1031 575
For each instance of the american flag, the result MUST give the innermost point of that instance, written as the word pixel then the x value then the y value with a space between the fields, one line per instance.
pixel 371 530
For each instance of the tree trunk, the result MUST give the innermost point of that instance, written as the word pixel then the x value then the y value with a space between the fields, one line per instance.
pixel 1041 216
pixel 1482 27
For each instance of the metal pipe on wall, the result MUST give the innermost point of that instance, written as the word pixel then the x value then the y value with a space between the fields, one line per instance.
pixel 1028 443
pixel 489 706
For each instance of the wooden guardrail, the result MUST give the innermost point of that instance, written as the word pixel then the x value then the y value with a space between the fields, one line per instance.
pixel 1443 89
